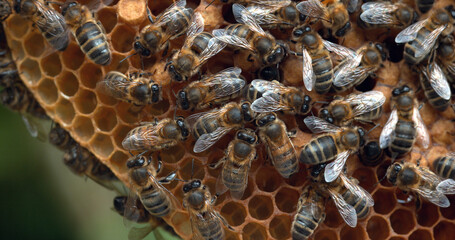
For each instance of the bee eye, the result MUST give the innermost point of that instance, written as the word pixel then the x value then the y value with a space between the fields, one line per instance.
pixel 396 92
pixel 298 32
pixel 186 188
pixel 196 184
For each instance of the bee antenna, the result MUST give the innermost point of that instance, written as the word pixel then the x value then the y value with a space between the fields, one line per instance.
pixel 175 95
pixel 382 179
pixel 128 57
pixel 192 168
pixel 209 4
pixel 377 125
pixel 142 63
pixel 175 112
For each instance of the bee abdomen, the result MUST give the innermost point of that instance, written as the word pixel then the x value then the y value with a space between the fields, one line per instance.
pixel 58 40
pixel 156 203
pixel 201 42
pixel 285 162
pixel 212 230
pixel 372 115
pixel 417 43
pixel 319 150
pixel 304 225
pixel 233 178
pixel 444 167
pixel 323 71
pixel 425 5
pixel 93 43
pixel 359 204
pixel 405 135
pixel 435 100
pixel 203 127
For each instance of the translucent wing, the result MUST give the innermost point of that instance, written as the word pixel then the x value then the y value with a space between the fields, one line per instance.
pixel 438 81
pixel 312 8
pixel 318 125
pixel 429 42
pixel 138 233
pixel 339 50
pixel 334 168
pixel 228 72
pixel 213 47
pixel 221 35
pixel 220 186
pixel 169 13
pixel 350 72
pixel 351 5
pixel 309 78
pixel 242 15
pixel 205 141
pixel 423 138
pixel 410 33
pixel 264 86
pixel 269 102
pixel 52 21
pixel 347 211
pixel 446 187
pixel 272 3
pixel 366 102
pixel 225 86
pixel 451 67
pixel 357 190
pixel 387 132
pixel 114 87
pixel 378 13
pixel 436 197
pixel 196 27
pixel 131 212
pixel 147 136
pixel 192 119
pixel 264 14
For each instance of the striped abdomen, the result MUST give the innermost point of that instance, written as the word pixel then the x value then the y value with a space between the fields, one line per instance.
pixel 444 167
pixel 233 85
pixel 360 204
pixel 319 150
pixel 240 30
pixel 424 5
pixel 304 224
pixel 433 98
pixel 93 43
pixel 404 138
pixel 210 227
pixel 180 20
pixel 372 115
pixel 55 34
pixel 235 177
pixel 323 70
pixel 410 47
pixel 155 201
pixel 205 126
pixel 200 42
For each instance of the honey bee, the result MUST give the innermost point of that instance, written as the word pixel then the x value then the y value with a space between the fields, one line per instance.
pixel 205 221
pixel 247 34
pixel 88 32
pixel 317 64
pixel 236 164
pixel 60 138
pixel 446 59
pixel 410 177
pixel 8 70
pixel 404 126
pixel 336 144
pixel 281 14
pixel 19 99
pixel 156 135
pixel 277 97
pixel 310 213
pixel 358 65
pixel 421 37
pixel 334 13
pixel 210 126
pixel 435 86
pixel 198 47
pixel 371 154
pixel 269 73
pixel 444 166
pixel 387 15
pixel 157 200
pixel 363 107
pixel 212 90
pixel 172 23
pixel 280 149
pixel 141 214
pixel 5 9
pixel 49 22
pixel 137 88
pixel 424 5
pixel 352 201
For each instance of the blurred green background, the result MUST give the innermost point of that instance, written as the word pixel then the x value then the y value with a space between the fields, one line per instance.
pixel 42 199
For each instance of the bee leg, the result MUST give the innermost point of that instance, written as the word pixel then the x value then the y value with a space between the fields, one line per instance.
pixel 149 15
pixel 159 164
pixel 223 220
pixel 166 48
pixel 292 133
pixel 169 178
pixel 217 164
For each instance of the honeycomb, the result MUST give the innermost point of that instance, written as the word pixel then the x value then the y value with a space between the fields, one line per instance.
pixel 64 84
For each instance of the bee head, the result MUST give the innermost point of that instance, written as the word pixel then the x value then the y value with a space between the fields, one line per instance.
pixel 71 10
pixel 451 10
pixel 156 92
pixel 265 119
pixel 393 171
pixel 299 32
pixel 276 55
pixel 306 106
pixel 137 162
pixel 183 127
pixel 192 185
pixel 247 113
pixel 247 136
pixel 361 133
pixel 182 100
pixel 138 47
pixel 325 114
pixel 343 30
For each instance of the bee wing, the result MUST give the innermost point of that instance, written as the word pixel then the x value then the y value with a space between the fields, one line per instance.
pixel 446 187
pixel 347 211
pixel 139 233
pixel 357 190
pixel 242 15
pixel 221 35
pixel 264 86
pixel 114 88
pixel 350 72
pixel 410 33
pixel 438 81
pixel 196 27
pixel 318 125
pixel 173 200
pixel 351 5
pixel 366 102
pixel 196 219
pixel 334 168
pixel 429 42
pixel 168 14
pixel 131 213
pixel 432 195
pixel 35 126
pixel 148 136
pixel 423 138
pixel 213 47
pixel 269 102
pixel 225 85
pixel 220 186
pixel 339 50
pixel 451 68
pixel 309 78
pixel 236 71
pixel 264 14
pixel 205 141
pixel 272 3
pixel 378 13
pixel 387 131
pixel 312 8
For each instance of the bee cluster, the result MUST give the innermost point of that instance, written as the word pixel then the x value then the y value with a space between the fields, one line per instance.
pixel 273 93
